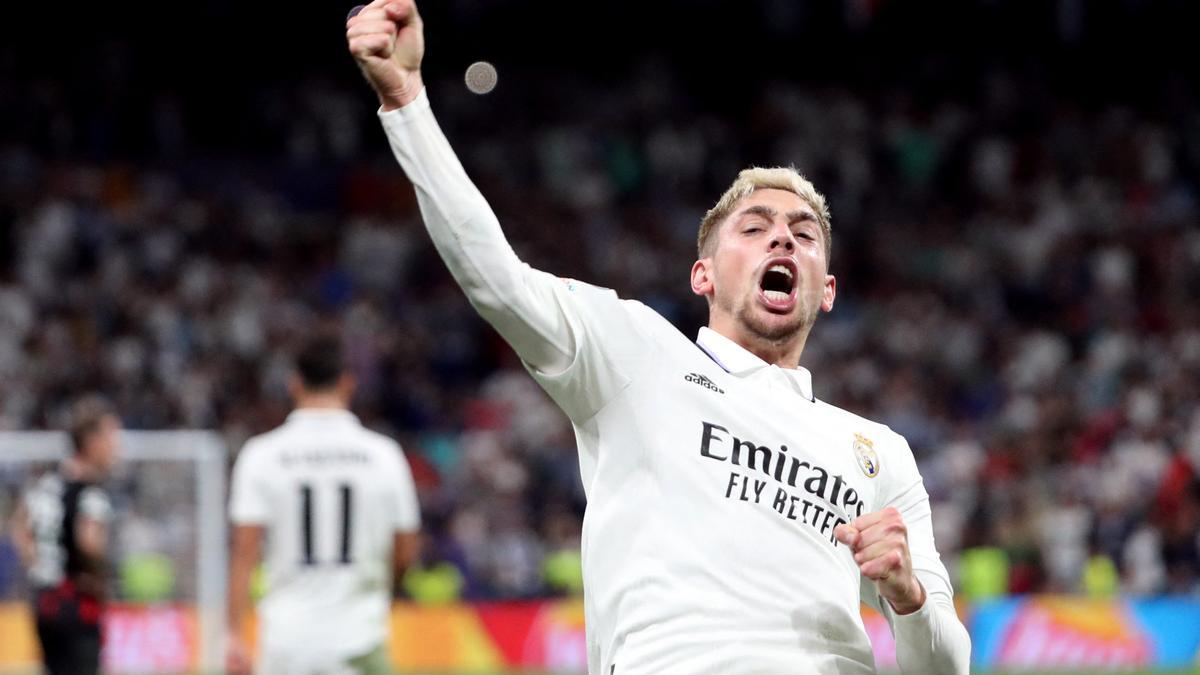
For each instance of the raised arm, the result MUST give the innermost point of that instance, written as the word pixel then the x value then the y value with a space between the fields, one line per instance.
pixel 386 39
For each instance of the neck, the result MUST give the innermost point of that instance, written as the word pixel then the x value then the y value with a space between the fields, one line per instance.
pixel 79 468
pixel 784 352
pixel 321 400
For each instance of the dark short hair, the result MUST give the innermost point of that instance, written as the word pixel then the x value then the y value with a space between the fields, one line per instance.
pixel 87 415
pixel 320 362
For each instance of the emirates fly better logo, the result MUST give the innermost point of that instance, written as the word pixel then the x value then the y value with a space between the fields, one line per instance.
pixel 703 381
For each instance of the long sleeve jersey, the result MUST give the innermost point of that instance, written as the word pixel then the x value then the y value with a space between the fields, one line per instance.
pixel 714 480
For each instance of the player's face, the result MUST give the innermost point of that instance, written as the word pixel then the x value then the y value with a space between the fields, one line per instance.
pixel 767 276
pixel 104 444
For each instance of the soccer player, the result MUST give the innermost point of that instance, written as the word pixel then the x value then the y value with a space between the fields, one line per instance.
pixel 734 521
pixel 62 536
pixel 338 507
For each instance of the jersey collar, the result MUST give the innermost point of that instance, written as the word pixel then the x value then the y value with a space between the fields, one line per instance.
pixel 321 414
pixel 736 360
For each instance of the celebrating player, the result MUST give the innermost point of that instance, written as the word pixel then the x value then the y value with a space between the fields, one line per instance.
pixel 734 520
pixel 338 504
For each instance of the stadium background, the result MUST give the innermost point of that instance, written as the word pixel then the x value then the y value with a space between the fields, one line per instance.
pixel 188 191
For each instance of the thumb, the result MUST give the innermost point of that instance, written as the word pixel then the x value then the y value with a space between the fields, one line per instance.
pixel 846 534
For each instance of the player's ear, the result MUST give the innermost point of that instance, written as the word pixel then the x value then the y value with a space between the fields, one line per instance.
pixel 702 282
pixel 829 294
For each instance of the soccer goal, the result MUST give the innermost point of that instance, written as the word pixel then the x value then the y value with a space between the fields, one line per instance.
pixel 168 550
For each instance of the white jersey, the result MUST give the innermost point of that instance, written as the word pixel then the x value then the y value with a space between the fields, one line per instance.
pixel 714 484
pixel 331 495
pixel 714 480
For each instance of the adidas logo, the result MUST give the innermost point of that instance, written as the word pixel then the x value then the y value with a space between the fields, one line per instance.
pixel 703 381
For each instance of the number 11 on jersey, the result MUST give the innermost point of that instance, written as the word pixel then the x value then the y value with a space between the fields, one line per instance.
pixel 307 543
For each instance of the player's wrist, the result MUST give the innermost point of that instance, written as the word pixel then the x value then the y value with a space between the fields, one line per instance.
pixel 403 95
pixel 911 601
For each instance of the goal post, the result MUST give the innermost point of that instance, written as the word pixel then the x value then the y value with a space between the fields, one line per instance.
pixel 169 486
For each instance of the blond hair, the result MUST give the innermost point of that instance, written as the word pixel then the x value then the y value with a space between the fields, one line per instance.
pixel 760 178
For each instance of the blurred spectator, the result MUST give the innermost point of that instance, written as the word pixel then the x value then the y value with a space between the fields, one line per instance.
pixel 1023 271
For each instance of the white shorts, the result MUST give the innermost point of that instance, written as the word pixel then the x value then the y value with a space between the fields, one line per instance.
pixel 305 662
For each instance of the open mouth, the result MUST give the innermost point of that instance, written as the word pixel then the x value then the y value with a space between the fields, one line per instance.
pixel 778 282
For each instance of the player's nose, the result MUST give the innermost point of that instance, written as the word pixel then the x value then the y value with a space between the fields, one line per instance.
pixel 781 237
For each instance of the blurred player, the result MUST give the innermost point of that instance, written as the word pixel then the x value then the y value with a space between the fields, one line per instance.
pixel 734 521
pixel 62 536
pixel 337 508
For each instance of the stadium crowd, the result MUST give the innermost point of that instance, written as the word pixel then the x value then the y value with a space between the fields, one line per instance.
pixel 1018 282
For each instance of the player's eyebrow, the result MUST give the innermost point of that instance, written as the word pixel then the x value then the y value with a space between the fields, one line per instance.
pixel 759 210
pixel 800 215
pixel 793 217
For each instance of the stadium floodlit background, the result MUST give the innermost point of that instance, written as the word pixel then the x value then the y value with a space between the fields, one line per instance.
pixel 187 190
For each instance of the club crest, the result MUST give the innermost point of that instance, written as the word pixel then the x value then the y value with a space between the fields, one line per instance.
pixel 864 452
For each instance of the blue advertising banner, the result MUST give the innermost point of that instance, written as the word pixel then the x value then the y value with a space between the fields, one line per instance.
pixel 1052 632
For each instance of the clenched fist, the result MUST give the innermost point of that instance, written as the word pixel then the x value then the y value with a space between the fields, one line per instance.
pixel 387 40
pixel 879 542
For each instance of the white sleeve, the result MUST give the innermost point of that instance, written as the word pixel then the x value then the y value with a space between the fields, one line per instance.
pixel 94 504
pixel 572 336
pixel 403 496
pixel 249 503
pixel 931 639
pixel 467 235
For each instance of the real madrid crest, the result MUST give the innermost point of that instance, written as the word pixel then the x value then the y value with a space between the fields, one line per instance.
pixel 864 452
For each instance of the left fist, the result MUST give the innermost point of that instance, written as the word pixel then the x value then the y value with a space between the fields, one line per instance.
pixel 879 542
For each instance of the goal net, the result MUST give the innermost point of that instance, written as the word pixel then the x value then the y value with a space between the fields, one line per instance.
pixel 167 544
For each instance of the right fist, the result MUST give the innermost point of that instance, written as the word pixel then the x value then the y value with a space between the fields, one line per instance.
pixel 387 40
